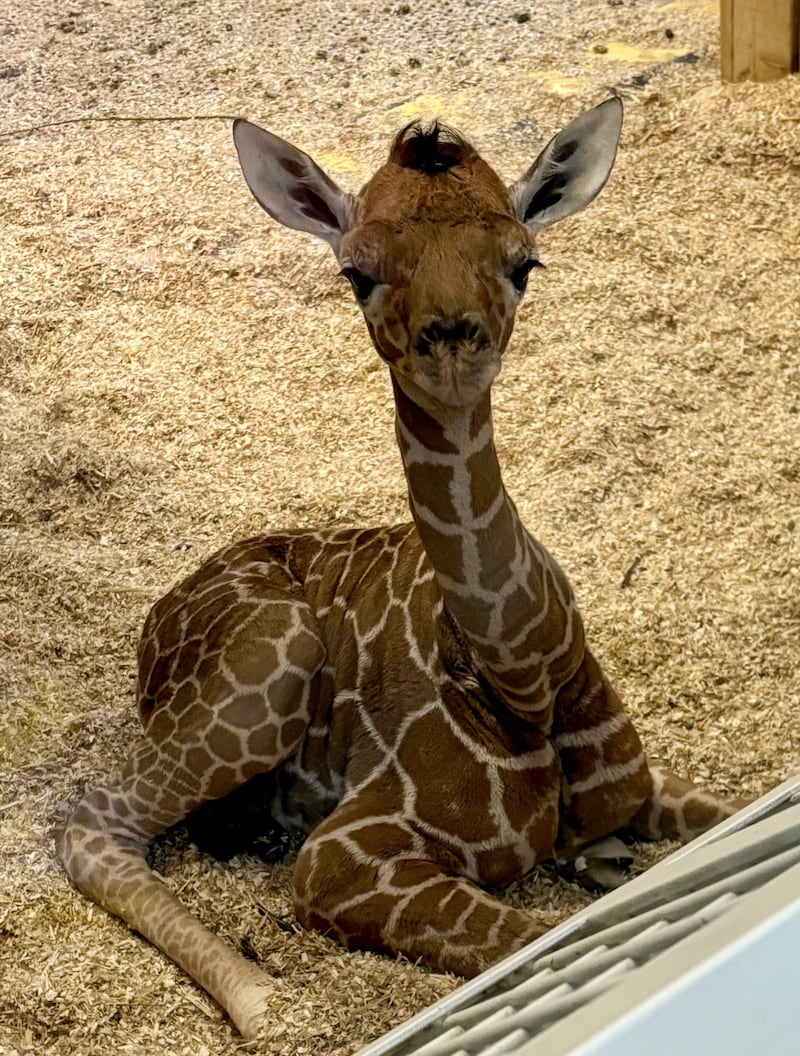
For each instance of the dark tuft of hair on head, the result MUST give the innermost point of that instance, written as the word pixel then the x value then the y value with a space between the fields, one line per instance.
pixel 432 149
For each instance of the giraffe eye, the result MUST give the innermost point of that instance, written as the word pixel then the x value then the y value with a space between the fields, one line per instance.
pixel 362 284
pixel 519 276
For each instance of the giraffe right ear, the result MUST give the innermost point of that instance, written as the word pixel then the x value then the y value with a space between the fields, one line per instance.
pixel 571 170
pixel 290 185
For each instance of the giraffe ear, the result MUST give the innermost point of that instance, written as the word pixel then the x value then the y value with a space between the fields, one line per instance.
pixel 571 170
pixel 290 185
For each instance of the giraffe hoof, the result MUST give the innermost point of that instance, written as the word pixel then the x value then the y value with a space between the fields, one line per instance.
pixel 251 1012
pixel 600 866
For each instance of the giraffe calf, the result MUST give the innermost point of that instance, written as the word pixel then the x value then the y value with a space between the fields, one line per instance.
pixel 423 696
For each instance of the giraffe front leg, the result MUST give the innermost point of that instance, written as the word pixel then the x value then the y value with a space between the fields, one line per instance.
pixel 677 809
pixel 604 773
pixel 604 779
pixel 368 883
pixel 608 784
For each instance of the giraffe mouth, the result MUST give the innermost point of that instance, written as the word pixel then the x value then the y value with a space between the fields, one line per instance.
pixel 454 374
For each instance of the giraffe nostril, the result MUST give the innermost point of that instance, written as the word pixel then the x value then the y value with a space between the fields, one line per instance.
pixel 451 333
pixel 474 332
pixel 428 336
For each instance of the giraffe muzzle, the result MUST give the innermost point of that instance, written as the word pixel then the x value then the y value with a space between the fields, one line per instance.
pixel 453 358
pixel 443 335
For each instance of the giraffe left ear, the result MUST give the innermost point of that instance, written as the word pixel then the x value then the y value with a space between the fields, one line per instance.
pixel 571 170
pixel 290 186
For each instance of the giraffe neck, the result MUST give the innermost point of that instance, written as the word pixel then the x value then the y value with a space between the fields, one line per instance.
pixel 505 592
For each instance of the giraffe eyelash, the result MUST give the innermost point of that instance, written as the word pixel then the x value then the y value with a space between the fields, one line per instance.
pixel 362 284
pixel 519 275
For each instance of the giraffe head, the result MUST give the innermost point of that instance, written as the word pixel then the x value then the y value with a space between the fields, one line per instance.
pixel 436 248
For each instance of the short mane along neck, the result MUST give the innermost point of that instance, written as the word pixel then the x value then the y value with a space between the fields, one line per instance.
pixel 502 588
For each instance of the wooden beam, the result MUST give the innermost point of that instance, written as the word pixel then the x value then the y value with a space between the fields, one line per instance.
pixel 760 39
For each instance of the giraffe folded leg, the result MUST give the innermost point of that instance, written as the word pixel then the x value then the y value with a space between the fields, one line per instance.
pixel 191 753
pixel 609 784
pixel 104 848
pixel 676 809
pixel 367 883
pixel 109 866
pixel 604 773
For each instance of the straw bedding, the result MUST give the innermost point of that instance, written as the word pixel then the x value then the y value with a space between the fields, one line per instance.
pixel 176 371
